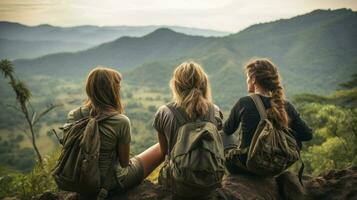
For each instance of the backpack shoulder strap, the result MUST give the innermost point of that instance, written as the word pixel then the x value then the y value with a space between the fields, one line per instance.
pixel 212 112
pixel 78 114
pixel 178 113
pixel 182 119
pixel 260 106
pixel 104 116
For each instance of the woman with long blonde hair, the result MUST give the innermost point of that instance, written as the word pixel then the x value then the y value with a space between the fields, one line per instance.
pixel 103 88
pixel 191 102
pixel 264 80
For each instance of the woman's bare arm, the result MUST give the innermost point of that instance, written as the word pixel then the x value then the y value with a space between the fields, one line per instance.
pixel 151 158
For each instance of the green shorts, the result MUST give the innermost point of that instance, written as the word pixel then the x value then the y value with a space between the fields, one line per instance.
pixel 133 176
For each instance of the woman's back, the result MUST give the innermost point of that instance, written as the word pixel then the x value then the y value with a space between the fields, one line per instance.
pixel 165 122
pixel 245 114
pixel 113 131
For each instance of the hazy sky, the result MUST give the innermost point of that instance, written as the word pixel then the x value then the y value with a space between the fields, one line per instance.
pixel 226 15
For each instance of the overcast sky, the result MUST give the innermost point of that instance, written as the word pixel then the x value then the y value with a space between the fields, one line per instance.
pixel 225 15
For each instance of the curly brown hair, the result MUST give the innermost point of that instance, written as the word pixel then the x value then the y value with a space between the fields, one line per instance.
pixel 266 75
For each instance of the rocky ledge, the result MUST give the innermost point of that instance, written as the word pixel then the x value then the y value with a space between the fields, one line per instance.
pixel 332 185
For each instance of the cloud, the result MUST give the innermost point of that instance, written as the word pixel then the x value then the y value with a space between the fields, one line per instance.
pixel 230 15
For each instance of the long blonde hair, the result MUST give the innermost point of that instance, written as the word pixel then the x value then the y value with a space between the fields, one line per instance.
pixel 191 90
pixel 266 74
pixel 103 90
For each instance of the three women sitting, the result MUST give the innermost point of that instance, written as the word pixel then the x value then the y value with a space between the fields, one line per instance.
pixel 188 129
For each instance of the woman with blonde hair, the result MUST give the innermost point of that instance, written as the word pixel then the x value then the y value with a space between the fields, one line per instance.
pixel 103 88
pixel 191 103
pixel 264 81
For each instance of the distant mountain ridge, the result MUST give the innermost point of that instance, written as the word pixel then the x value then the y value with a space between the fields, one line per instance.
pixel 123 53
pixel 22 41
pixel 90 34
pixel 13 49
pixel 315 52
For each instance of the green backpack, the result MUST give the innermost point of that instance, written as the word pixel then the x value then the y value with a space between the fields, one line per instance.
pixel 271 150
pixel 195 166
pixel 77 169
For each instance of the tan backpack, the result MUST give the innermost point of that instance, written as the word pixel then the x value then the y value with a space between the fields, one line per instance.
pixel 271 150
pixel 195 166
pixel 77 169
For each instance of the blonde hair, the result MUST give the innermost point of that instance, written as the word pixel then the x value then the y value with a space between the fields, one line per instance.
pixel 103 90
pixel 266 74
pixel 191 89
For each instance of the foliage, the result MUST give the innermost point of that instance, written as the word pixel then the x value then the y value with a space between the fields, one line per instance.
pixel 27 186
pixel 23 95
pixel 334 121
pixel 12 156
pixel 351 83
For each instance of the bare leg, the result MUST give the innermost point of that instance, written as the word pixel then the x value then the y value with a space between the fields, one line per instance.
pixel 151 158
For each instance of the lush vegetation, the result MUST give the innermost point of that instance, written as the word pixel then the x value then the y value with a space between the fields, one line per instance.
pixel 140 106
pixel 26 186
pixel 334 120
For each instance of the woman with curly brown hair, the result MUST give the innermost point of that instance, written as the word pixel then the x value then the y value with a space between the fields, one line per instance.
pixel 264 80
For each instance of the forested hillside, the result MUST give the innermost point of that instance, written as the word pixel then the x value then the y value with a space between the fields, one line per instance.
pixel 12 49
pixel 123 54
pixel 314 52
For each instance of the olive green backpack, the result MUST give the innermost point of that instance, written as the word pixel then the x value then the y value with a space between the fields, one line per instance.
pixel 195 166
pixel 77 169
pixel 271 150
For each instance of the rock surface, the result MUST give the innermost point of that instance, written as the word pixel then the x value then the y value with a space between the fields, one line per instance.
pixel 332 185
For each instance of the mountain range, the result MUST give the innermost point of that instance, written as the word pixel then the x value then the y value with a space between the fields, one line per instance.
pixel 314 53
pixel 21 41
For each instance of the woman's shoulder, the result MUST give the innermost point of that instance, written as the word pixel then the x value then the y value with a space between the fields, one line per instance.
pixel 216 108
pixel 77 113
pixel 290 108
pixel 164 110
pixel 83 111
pixel 119 118
pixel 243 102
pixel 119 125
pixel 288 104
pixel 245 99
pixel 165 107
pixel 217 111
